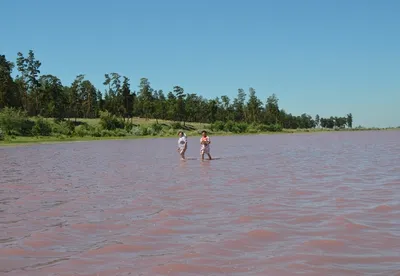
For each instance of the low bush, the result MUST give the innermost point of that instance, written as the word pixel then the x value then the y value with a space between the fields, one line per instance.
pixel 252 128
pixel 26 128
pixel 110 122
pixel 129 125
pixel 240 128
pixel 41 127
pixel 218 126
pixel 96 132
pixel 65 128
pixel 229 126
pixel 15 122
pixel 120 133
pixel 156 128
pixel 82 131
pixel 176 125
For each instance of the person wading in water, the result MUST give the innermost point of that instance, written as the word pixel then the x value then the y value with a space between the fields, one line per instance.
pixel 205 145
pixel 182 144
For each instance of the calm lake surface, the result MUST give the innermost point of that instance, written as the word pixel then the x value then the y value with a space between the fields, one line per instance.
pixel 311 204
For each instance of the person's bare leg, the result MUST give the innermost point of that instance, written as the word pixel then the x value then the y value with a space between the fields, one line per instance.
pixel 209 156
pixel 202 156
pixel 184 151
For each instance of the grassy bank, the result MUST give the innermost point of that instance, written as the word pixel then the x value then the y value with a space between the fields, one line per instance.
pixel 29 140
pixel 23 140
pixel 17 129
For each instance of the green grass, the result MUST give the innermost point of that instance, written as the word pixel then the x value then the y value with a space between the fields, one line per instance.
pixel 21 140
pixel 191 129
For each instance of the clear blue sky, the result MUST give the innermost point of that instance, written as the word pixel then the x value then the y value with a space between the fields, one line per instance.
pixel 319 56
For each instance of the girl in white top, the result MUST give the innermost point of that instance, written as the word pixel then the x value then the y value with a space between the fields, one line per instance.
pixel 182 144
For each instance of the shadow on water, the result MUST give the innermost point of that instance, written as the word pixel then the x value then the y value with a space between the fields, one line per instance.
pixel 205 158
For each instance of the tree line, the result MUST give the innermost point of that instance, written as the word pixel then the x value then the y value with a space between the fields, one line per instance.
pixel 46 96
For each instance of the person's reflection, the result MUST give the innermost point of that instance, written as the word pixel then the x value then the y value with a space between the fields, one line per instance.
pixel 182 164
pixel 205 167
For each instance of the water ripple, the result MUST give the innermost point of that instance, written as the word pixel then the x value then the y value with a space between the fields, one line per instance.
pixel 313 204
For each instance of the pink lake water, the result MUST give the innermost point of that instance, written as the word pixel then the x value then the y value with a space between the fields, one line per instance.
pixel 285 204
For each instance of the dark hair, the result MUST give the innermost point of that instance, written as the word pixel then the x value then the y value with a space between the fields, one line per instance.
pixel 204 132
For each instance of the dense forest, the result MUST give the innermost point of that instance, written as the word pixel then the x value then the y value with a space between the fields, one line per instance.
pixel 46 96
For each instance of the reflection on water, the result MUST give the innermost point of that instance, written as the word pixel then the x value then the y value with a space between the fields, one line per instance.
pixel 319 204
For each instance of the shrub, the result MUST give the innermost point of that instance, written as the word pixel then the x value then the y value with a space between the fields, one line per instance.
pixel 240 128
pixel 129 126
pixel 120 132
pixel 144 130
pixel 271 128
pixel 15 122
pixel 2 136
pixel 41 127
pixel 217 126
pixel 135 131
pixel 253 128
pixel 171 132
pixel 63 128
pixel 166 127
pixel 110 122
pixel 176 125
pixel 263 127
pixel 275 127
pixel 229 126
pixel 96 132
pixel 156 128
pixel 82 131
pixel 106 133
pixel 26 127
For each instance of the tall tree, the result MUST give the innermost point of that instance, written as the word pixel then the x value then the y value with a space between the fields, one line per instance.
pixel 114 99
pixel 349 120
pixel 227 110
pixel 180 103
pixel 191 107
pixel 272 110
pixel 171 106
pixel 30 70
pixel 145 98
pixel 317 120
pixel 253 107
pixel 213 109
pixel 8 88
pixel 89 106
pixel 45 95
pixel 128 98
pixel 159 105
pixel 75 97
pixel 52 99
pixel 100 101
pixel 238 105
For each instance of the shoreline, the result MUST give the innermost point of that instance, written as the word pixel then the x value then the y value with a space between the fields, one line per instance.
pixel 28 140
